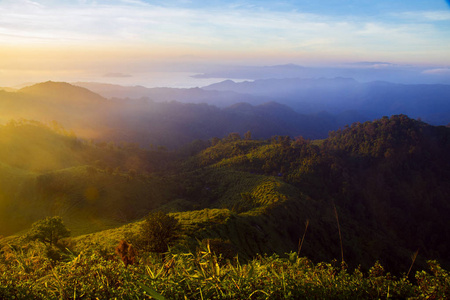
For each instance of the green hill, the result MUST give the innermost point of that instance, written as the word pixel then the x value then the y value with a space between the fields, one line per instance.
pixel 386 181
pixel 46 171
pixel 73 107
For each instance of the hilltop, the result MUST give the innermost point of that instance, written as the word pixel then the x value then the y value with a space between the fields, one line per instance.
pixel 62 93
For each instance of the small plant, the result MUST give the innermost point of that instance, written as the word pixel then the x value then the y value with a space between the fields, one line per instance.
pixel 126 252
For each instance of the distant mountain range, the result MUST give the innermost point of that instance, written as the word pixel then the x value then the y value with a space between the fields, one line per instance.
pixel 174 117
pixel 366 71
pixel 375 99
pixel 185 95
pixel 146 122
pixel 365 101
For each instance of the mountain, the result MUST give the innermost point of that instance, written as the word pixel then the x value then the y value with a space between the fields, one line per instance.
pixel 361 71
pixel 282 86
pixel 62 93
pixel 271 118
pixel 365 101
pixel 75 108
pixel 174 124
pixel 7 89
pixel 171 124
pixel 372 100
pixel 162 94
pixel 386 180
pixel 306 107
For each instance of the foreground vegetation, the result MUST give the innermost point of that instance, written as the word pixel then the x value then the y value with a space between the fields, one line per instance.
pixel 29 273
pixel 43 265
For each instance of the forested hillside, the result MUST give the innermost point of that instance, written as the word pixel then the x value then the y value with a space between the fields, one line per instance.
pixel 388 180
pixel 385 181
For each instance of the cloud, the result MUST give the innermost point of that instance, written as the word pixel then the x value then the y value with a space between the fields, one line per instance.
pixel 421 16
pixel 438 71
pixel 117 75
pixel 238 29
pixel 373 64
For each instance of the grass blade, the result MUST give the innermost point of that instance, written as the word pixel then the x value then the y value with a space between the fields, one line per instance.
pixel 151 292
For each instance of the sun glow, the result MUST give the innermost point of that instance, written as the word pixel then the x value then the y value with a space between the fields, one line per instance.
pixel 101 37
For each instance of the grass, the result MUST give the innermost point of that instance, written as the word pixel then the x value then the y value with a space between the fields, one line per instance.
pixel 27 273
pixel 88 199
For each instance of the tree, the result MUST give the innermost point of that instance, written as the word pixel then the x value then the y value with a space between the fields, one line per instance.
pixel 216 140
pixel 248 135
pixel 158 231
pixel 234 136
pixel 48 230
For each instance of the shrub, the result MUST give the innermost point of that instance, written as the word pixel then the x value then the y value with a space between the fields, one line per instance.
pixel 126 252
pixel 158 232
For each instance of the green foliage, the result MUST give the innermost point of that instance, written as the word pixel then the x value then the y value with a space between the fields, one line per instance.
pixel 389 178
pixel 49 230
pixel 236 190
pixel 89 275
pixel 157 232
pixel 229 147
pixel 435 285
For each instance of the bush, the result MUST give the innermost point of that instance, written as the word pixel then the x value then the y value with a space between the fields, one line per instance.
pixel 158 232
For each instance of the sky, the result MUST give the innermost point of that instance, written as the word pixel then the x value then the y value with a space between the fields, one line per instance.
pixel 120 39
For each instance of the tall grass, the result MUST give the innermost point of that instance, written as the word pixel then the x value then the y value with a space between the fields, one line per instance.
pixel 339 230
pixel 413 260
pixel 27 273
pixel 300 244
